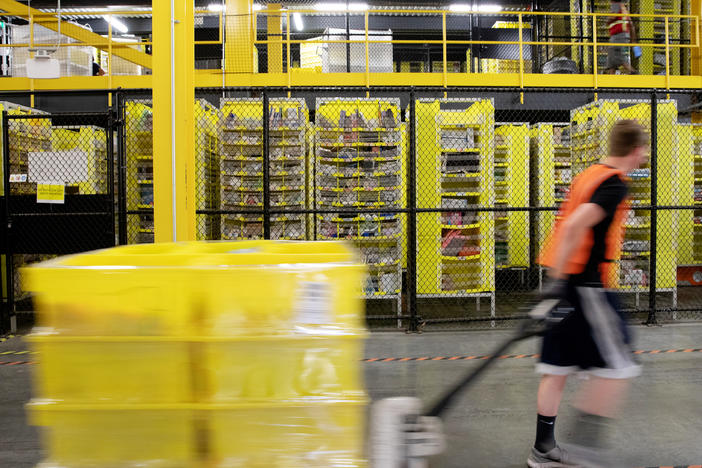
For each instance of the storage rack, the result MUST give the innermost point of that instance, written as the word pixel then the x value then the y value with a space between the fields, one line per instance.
pixel 512 190
pixel 207 172
pixel 550 150
pixel 92 141
pixel 455 169
pixel 592 123
pixel 241 137
pixel 140 169
pixel 689 188
pixel 359 153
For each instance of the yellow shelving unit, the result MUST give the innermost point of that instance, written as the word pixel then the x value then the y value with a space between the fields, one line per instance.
pixel 359 154
pixel 455 170
pixel 689 188
pixel 511 154
pixel 550 144
pixel 590 129
pixel 140 170
pixel 241 137
pixel 207 172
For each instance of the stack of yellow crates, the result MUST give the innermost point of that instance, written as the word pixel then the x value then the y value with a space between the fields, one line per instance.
pixel 227 354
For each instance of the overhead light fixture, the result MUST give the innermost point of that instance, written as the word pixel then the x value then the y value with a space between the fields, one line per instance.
pixel 297 19
pixel 467 8
pixel 490 8
pixel 215 7
pixel 341 6
pixel 117 24
pixel 257 7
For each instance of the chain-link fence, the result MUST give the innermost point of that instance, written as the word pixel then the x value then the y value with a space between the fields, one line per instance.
pixel 448 193
pixel 59 191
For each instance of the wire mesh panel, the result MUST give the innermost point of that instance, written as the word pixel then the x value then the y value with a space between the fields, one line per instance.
pixel 59 189
pixel 139 179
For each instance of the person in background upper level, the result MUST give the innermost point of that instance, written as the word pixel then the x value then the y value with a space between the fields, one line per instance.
pixel 621 30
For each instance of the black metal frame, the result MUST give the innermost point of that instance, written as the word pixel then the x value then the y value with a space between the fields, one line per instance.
pixel 79 208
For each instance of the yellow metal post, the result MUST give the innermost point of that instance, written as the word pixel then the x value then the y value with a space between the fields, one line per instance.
pixel 696 53
pixel 238 45
pixel 367 63
pixel 667 55
pixel 287 48
pixel 521 61
pixel 274 25
pixel 443 31
pixel 174 130
pixel 594 51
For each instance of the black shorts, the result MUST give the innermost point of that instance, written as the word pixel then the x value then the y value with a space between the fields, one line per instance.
pixel 594 337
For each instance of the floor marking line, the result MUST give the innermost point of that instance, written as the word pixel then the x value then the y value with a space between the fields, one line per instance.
pixel 514 356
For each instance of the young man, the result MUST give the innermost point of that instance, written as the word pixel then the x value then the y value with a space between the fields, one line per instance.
pixel 621 30
pixel 579 253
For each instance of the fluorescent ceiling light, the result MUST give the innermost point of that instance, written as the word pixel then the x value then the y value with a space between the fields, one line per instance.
pixel 257 7
pixel 117 24
pixel 466 8
pixel 490 8
pixel 341 6
pixel 215 7
pixel 297 19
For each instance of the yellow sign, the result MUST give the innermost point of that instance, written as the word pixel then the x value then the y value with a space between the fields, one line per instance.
pixel 50 193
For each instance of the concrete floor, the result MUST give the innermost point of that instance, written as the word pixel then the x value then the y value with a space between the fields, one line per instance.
pixel 492 424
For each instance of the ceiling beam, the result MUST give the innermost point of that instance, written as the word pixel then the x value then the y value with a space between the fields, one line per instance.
pixel 130 54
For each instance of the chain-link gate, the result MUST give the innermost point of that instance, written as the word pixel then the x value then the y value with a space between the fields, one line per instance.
pixel 59 193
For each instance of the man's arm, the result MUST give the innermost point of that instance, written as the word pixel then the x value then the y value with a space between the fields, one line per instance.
pixel 574 228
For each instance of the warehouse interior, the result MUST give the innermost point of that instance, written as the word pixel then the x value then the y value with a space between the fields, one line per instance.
pixel 437 140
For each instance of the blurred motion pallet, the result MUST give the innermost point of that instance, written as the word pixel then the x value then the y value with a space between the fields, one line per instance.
pixel 164 355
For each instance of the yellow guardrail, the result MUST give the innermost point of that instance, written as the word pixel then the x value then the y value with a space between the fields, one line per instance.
pixel 694 37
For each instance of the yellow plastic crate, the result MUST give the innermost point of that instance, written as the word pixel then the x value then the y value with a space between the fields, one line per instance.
pixel 118 371
pixel 185 289
pixel 293 435
pixel 283 368
pixel 85 436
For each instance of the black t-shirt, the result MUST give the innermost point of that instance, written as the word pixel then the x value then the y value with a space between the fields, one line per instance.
pixel 608 195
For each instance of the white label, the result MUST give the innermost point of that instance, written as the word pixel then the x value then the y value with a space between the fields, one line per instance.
pixel 18 178
pixel 313 305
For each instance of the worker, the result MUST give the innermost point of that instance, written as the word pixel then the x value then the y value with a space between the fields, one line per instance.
pixel 97 69
pixel 621 30
pixel 579 254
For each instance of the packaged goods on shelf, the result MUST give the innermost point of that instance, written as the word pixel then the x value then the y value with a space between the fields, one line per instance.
pixel 359 154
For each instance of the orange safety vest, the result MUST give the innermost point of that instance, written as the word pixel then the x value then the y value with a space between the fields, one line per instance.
pixel 617 24
pixel 581 192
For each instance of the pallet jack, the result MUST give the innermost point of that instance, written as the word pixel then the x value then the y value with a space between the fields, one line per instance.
pixel 405 436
